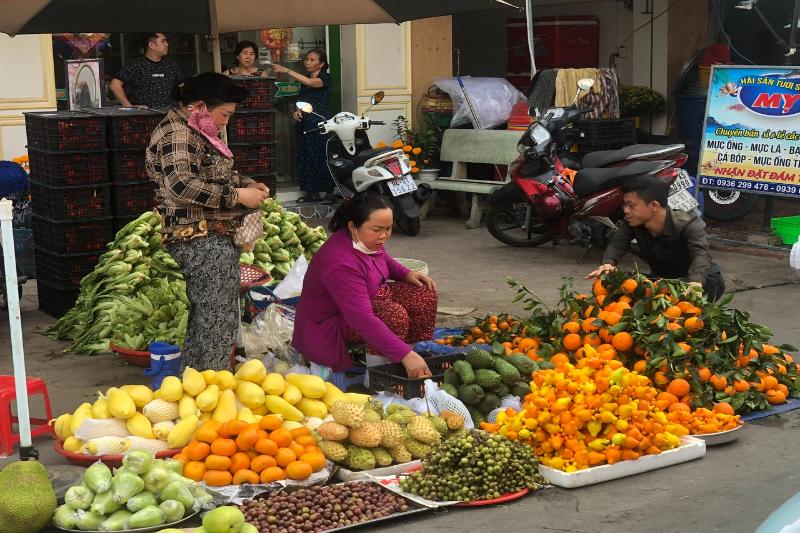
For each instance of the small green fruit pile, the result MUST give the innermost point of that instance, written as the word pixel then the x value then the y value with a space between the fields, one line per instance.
pixel 475 465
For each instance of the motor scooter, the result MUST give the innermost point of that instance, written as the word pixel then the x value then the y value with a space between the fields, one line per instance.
pixel 357 167
pixel 542 204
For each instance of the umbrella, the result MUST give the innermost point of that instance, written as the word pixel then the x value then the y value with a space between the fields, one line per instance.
pixel 214 16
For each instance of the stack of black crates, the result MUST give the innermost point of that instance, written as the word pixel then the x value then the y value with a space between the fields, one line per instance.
pixel 251 132
pixel 87 180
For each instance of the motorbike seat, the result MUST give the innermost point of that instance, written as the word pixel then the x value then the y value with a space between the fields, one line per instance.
pixel 365 155
pixel 633 152
pixel 589 180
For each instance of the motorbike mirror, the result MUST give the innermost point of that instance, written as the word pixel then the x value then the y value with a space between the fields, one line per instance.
pixel 377 98
pixel 584 84
pixel 305 107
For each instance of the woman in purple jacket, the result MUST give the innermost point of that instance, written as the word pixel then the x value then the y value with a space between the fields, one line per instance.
pixel 347 299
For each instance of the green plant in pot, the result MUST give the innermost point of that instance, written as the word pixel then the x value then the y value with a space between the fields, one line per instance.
pixel 422 146
pixel 636 101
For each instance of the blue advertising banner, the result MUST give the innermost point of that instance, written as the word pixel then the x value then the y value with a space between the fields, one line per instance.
pixel 751 135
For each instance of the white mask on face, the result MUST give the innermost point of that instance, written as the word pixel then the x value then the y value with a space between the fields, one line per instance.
pixel 361 247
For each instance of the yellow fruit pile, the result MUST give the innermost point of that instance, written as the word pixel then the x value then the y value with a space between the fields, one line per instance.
pixel 591 413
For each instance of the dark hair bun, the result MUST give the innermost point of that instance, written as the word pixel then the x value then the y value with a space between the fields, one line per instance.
pixel 357 209
pixel 212 88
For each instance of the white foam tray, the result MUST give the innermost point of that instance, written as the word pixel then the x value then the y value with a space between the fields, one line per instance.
pixel 344 474
pixel 690 448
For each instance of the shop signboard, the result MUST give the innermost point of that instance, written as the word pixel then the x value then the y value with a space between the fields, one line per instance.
pixel 287 88
pixel 751 132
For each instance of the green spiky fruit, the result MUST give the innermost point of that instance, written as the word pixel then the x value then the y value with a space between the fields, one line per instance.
pixel 479 359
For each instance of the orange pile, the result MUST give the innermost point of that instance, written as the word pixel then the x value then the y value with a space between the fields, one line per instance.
pixel 236 452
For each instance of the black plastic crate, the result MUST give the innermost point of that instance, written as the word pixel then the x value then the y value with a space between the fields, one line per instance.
pixel 129 127
pixel 393 377
pixel 122 221
pixel 134 198
pixel 262 93
pixel 70 203
pixel 68 168
pixel 270 180
pixel 56 299
pixel 606 132
pixel 254 158
pixel 253 127
pixel 65 131
pixel 72 236
pixel 64 269
pixel 127 166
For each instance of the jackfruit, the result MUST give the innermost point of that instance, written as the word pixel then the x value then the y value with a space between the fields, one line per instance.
pixel 27 500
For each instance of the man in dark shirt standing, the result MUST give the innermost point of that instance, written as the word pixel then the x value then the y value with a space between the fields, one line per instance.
pixel 672 242
pixel 150 80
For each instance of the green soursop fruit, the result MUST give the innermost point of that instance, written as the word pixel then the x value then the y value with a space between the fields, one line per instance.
pixel 487 378
pixel 509 374
pixel 479 359
pixel 501 391
pixel 375 404
pixel 150 516
pixel 489 403
pixel 477 416
pixel 117 521
pixel 523 363
pixel 449 389
pixel 439 424
pixel 470 394
pixel 521 389
pixel 400 454
pixel 417 449
pixel 27 500
pixel 401 418
pixel 464 371
pixel 451 378
pixel 382 457
pixel 423 430
pixel 372 416
pixel 360 458
pixel 333 450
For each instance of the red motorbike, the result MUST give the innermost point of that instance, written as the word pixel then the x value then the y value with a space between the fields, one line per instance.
pixel 542 204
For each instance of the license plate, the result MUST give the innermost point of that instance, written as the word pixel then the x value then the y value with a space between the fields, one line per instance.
pixel 683 181
pixel 682 201
pixel 400 186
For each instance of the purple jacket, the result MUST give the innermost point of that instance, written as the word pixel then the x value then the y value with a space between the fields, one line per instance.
pixel 337 292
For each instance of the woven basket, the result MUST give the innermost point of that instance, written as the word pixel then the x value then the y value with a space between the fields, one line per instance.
pixel 704 76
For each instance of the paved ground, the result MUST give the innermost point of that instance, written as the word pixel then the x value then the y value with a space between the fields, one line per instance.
pixel 732 489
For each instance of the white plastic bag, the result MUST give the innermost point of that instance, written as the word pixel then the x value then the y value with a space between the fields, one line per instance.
pixel 506 402
pixel 292 284
pixel 492 99
pixel 271 331
pixel 442 401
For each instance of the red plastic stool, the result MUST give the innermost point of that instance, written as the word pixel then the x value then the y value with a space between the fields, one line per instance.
pixel 8 394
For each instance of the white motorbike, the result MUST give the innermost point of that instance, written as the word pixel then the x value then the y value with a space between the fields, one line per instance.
pixel 357 167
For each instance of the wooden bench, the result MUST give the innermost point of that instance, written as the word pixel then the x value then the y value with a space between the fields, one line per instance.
pixel 494 147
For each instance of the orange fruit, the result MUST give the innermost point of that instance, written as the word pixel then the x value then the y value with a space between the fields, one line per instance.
pixel 724 408
pixel 693 324
pixel 247 439
pixel 306 440
pixel 181 458
pixel 719 382
pixel 285 456
pixel 613 318
pixel 571 341
pixel 704 373
pixel 273 473
pixel 769 382
pixel 571 327
pixel 300 432
pixel 316 460
pixel 298 470
pixel 239 461
pixel 197 451
pixel 679 406
pixel 598 289
pixel 266 446
pixel 559 359
pixel 667 397
pixel 206 433
pixel 297 448
pixel 629 285
pixel 588 325
pixel 245 476
pixel 226 447
pixel 194 470
pixel 231 428
pixel 679 387
pixel 775 397
pixel 672 311
pixel 741 385
pixel 683 305
pixel 261 462
pixel 217 478
pixel 640 366
pixel 660 378
pixel 622 341
pixel 784 389
pixel 282 437
pixel 218 462
pixel 685 347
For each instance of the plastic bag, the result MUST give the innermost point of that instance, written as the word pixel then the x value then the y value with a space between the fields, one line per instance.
pixel 506 402
pixel 292 284
pixel 442 401
pixel 492 99
pixel 271 332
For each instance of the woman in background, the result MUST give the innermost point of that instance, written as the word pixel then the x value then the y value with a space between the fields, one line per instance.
pixel 246 53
